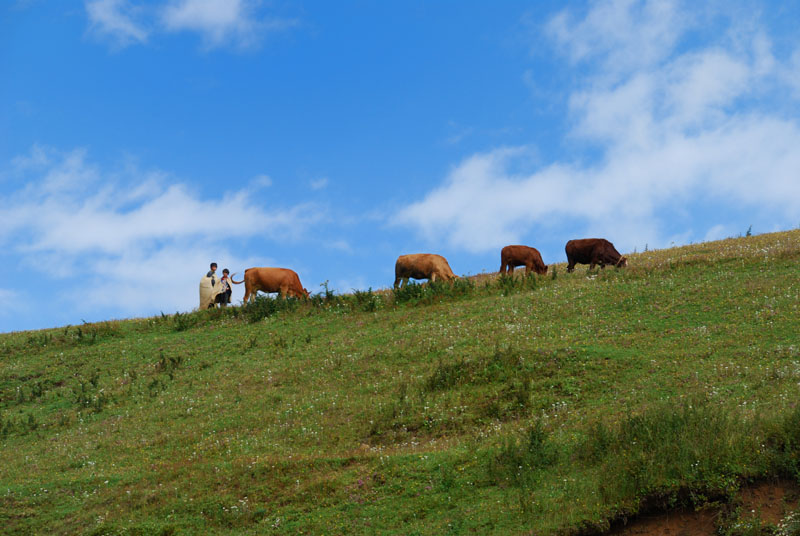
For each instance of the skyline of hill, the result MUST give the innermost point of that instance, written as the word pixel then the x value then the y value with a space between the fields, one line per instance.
pixel 553 404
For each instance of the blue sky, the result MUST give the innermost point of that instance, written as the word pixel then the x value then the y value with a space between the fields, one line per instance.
pixel 141 140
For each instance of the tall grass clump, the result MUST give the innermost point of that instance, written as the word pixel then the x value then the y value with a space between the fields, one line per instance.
pixel 500 366
pixel 521 459
pixel 328 300
pixel 183 321
pixel 783 444
pixel 366 300
pixel 509 284
pixel 265 306
pixel 666 456
pixel 448 375
pixel 187 321
pixel 700 447
pixel 430 292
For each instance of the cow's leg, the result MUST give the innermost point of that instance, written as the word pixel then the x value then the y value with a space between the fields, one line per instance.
pixel 246 295
pixel 570 264
pixel 528 269
pixel 397 281
pixel 433 277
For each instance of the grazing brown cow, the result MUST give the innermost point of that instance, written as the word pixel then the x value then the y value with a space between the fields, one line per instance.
pixel 421 266
pixel 530 258
pixel 593 251
pixel 281 280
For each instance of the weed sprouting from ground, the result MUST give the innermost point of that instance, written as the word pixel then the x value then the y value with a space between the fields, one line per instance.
pixel 508 284
pixel 367 300
pixel 789 525
pixel 169 364
pixel 412 292
pixel 252 342
pixel 520 459
pixel 783 440
pixel 448 375
pixel 501 365
pixel 500 387
pixel 183 321
pixel 87 395
pixel 20 426
pixel 433 291
pixel 266 306
pixel 399 415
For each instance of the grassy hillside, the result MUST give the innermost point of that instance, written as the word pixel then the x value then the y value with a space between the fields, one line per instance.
pixel 548 405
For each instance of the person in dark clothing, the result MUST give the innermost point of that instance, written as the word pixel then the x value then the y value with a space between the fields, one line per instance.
pixel 224 297
pixel 212 273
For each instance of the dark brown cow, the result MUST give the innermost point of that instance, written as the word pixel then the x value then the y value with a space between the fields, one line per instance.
pixel 530 258
pixel 281 280
pixel 593 251
pixel 421 266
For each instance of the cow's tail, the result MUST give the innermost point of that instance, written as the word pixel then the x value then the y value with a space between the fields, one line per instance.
pixel 234 281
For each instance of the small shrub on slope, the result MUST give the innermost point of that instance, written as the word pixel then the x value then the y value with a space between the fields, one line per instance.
pixel 265 306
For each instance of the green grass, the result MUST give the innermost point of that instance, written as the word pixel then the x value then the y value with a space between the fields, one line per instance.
pixel 545 405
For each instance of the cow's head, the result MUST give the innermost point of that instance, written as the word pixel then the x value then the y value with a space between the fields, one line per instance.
pixel 444 275
pixel 543 270
pixel 622 262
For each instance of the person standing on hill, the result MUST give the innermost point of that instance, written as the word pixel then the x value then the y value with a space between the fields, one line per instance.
pixel 207 291
pixel 212 273
pixel 224 297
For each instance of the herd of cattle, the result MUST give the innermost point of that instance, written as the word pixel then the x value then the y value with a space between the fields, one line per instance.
pixel 591 251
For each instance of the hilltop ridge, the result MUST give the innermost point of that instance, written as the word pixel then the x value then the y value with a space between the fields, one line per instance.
pixel 550 404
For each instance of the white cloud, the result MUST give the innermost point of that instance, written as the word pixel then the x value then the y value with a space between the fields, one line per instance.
pixel 116 19
pixel 319 184
pixel 137 242
pixel 623 35
pixel 672 125
pixel 216 20
pixel 699 86
pixel 240 23
pixel 149 280
pixel 261 181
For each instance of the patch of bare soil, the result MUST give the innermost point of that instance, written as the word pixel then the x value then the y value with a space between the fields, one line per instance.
pixel 767 502
pixel 684 522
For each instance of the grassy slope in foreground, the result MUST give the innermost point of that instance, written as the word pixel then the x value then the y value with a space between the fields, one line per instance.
pixel 548 407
